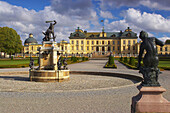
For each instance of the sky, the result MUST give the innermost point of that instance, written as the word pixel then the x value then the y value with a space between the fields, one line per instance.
pixel 29 16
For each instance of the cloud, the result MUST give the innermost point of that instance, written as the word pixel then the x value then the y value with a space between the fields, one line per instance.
pixel 26 21
pixel 164 38
pixel 106 14
pixel 147 21
pixel 79 8
pixel 153 4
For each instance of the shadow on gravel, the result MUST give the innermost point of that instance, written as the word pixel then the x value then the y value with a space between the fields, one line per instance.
pixel 133 78
pixel 15 78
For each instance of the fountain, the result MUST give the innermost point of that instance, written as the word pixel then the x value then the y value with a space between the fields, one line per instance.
pixel 49 69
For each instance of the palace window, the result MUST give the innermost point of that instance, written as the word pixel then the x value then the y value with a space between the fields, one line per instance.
pixel 128 47
pixel 113 42
pixel 65 47
pixel 77 42
pixel 81 42
pixel 97 42
pixel 108 48
pixel 77 48
pixel 118 42
pixel 123 47
pixel 133 47
pixel 72 42
pixel 118 48
pixel 160 48
pixel 102 42
pixel 108 42
pixel 113 48
pixel 87 47
pixel 166 49
pixel 134 42
pixel 81 47
pixel 32 47
pixel 129 42
pixel 124 42
pixel 87 42
pixel 92 42
pixel 92 48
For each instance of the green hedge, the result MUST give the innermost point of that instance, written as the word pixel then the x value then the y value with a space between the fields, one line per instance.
pixel 128 65
pixel 125 60
pixel 132 61
pixel 74 59
pixel 121 59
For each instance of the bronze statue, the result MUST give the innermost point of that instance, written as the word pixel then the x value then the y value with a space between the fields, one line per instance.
pixel 59 63
pixel 65 64
pixel 150 70
pixel 49 31
pixel 31 65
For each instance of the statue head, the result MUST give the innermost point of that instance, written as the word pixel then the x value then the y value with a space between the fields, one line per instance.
pixel 143 35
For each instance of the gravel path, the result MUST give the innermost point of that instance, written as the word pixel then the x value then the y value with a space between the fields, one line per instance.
pixel 21 83
pixel 109 100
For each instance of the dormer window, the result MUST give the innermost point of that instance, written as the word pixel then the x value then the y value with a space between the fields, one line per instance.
pixel 92 35
pixel 113 35
pixel 128 35
pixel 76 34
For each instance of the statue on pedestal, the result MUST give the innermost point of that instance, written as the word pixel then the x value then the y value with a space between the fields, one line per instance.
pixel 150 69
pixel 31 65
pixel 49 31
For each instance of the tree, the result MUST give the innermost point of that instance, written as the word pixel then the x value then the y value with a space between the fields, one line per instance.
pixel 167 42
pixel 10 41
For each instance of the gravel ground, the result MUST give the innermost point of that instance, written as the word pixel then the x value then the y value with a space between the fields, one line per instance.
pixel 108 100
pixel 21 83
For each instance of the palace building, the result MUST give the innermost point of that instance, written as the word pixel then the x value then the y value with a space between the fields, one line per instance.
pixel 81 42
pixel 102 43
pixel 31 45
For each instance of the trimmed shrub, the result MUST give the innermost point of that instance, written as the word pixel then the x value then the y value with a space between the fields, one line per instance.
pixel 132 61
pixel 74 59
pixel 12 57
pixel 87 58
pixel 111 60
pixel 125 60
pixel 83 58
pixel 121 59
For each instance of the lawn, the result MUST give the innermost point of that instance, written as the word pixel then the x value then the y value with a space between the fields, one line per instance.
pixel 164 63
pixel 7 63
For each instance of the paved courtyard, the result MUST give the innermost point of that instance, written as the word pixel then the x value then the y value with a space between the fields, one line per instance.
pixel 83 93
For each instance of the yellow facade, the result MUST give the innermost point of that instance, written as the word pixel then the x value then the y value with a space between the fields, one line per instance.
pixel 103 42
pixel 98 43
pixel 64 47
pixel 31 48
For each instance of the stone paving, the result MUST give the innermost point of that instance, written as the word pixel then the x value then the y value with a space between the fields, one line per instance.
pixel 99 100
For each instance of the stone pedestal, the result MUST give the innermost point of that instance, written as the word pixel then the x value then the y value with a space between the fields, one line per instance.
pixel 49 75
pixel 48 57
pixel 150 100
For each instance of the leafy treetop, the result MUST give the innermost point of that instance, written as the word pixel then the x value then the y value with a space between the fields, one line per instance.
pixel 10 41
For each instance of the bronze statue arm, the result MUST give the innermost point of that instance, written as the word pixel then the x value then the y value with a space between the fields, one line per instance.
pixel 54 22
pixel 158 42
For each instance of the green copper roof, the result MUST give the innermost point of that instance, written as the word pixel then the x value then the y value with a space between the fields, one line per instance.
pixel 96 35
pixel 30 40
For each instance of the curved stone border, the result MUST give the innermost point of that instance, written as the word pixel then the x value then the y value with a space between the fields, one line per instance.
pixel 120 75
